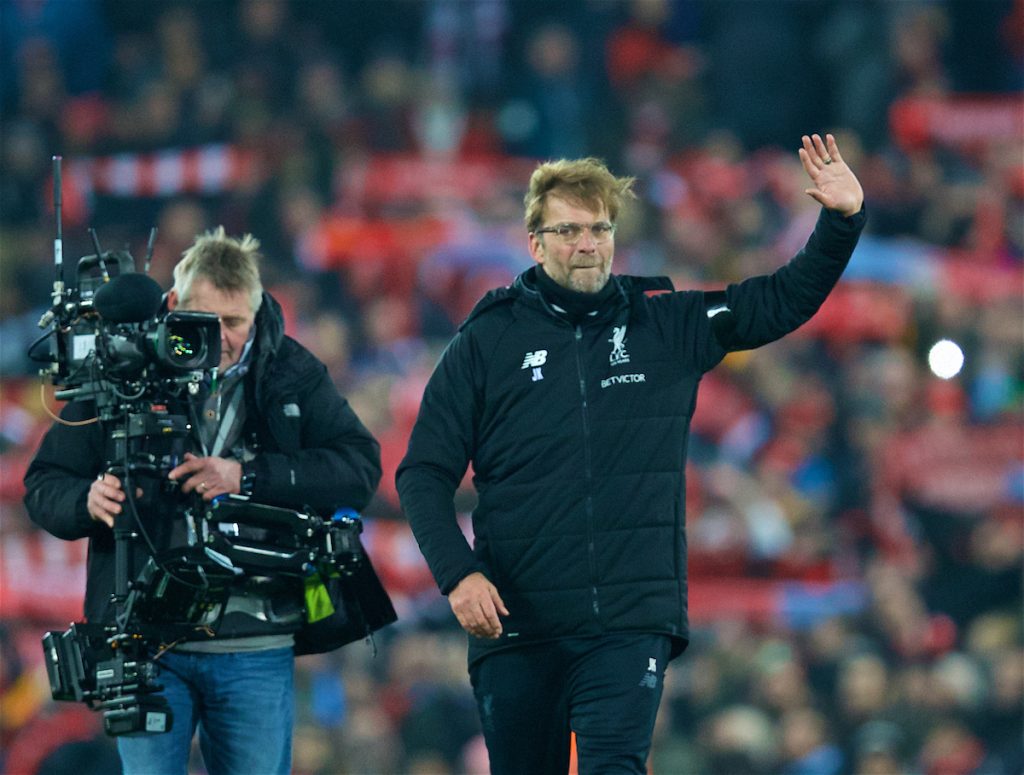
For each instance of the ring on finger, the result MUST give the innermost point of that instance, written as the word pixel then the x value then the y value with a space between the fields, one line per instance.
pixel 827 160
pixel 202 487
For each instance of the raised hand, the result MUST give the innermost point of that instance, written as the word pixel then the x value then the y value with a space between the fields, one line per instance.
pixel 835 186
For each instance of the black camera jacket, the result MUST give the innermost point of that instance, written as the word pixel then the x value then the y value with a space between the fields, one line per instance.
pixel 577 436
pixel 312 452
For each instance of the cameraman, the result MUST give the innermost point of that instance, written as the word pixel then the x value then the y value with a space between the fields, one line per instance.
pixel 273 428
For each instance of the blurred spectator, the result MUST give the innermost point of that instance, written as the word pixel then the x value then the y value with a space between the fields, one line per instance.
pixel 756 57
pixel 47 46
pixel 546 118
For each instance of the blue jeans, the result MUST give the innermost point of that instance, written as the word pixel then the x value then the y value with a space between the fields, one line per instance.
pixel 242 704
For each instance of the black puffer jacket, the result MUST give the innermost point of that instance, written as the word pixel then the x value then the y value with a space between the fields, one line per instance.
pixel 578 435
pixel 312 451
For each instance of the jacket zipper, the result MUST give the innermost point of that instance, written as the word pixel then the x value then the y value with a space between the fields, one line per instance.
pixel 588 467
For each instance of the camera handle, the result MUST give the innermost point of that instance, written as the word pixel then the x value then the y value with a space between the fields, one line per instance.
pixel 123 537
pixel 129 452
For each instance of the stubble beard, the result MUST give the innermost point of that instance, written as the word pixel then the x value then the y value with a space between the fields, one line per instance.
pixel 586 282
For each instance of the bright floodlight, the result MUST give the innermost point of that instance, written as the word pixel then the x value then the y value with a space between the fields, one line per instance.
pixel 945 359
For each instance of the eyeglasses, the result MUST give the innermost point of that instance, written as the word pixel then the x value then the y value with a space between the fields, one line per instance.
pixel 570 233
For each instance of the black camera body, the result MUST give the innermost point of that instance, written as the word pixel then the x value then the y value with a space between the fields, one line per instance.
pixel 114 344
pixel 83 664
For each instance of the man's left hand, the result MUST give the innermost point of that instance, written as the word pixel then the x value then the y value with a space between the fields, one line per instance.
pixel 835 185
pixel 208 476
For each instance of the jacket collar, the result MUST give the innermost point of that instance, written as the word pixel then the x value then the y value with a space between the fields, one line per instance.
pixel 269 331
pixel 627 287
pixel 524 289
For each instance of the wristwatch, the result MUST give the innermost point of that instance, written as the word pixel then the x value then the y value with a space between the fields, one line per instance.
pixel 248 480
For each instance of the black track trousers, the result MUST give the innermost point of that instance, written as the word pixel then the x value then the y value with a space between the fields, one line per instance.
pixel 606 689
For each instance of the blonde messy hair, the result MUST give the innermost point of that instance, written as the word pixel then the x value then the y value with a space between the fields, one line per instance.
pixel 585 182
pixel 227 263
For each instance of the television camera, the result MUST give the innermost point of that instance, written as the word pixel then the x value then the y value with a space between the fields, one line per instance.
pixel 147 373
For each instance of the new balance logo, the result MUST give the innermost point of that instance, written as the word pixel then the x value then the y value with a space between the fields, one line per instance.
pixel 650 679
pixel 534 359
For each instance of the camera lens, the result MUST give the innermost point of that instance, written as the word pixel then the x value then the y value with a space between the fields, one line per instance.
pixel 181 349
pixel 186 341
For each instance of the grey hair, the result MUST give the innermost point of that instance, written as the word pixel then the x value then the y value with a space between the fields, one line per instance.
pixel 228 263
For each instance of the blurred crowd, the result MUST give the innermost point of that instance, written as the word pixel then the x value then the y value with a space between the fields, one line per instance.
pixel 855 520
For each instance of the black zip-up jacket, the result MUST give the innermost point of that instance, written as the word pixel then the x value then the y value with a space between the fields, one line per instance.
pixel 312 451
pixel 577 435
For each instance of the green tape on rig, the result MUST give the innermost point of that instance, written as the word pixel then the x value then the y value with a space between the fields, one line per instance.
pixel 318 600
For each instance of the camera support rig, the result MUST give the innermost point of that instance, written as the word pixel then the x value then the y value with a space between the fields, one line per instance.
pixel 140 369
pixel 180 595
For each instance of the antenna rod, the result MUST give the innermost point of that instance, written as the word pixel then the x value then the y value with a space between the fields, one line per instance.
pixel 99 254
pixel 58 243
pixel 58 252
pixel 149 249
